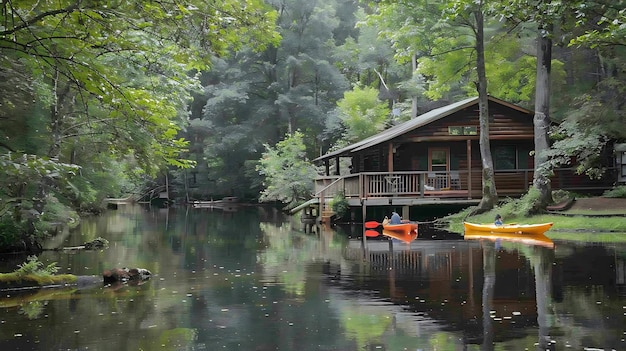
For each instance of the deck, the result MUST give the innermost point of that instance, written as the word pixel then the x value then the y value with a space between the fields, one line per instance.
pixel 408 188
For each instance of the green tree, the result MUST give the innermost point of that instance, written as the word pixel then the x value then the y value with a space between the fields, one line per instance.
pixel 288 175
pixel 255 98
pixel 598 115
pixel 471 14
pixel 544 14
pixel 362 114
pixel 114 77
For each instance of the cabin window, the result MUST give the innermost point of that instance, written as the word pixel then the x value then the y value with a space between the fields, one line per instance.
pixel 439 160
pixel 462 130
pixel 505 157
pixel 621 162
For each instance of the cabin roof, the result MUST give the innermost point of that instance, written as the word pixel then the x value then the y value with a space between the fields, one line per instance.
pixel 417 122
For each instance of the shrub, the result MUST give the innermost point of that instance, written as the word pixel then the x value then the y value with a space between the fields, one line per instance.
pixel 9 233
pixel 561 195
pixel 524 206
pixel 340 205
pixel 618 191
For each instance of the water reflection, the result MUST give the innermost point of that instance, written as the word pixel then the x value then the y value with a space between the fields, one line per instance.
pixel 525 238
pixel 403 236
pixel 254 280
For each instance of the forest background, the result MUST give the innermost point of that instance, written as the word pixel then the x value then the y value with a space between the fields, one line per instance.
pixel 106 99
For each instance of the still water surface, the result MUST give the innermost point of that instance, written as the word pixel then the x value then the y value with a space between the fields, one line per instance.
pixel 253 280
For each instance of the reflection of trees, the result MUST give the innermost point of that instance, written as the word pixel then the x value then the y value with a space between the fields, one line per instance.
pixel 542 267
pixel 541 259
pixel 364 328
pixel 489 271
pixel 289 253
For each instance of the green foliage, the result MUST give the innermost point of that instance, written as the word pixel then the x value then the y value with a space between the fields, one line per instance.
pixel 101 84
pixel 288 176
pixel 561 195
pixel 35 267
pixel 10 232
pixel 56 213
pixel 584 144
pixel 524 206
pixel 17 172
pixel 618 191
pixel 362 114
pixel 608 30
pixel 447 65
pixel 340 205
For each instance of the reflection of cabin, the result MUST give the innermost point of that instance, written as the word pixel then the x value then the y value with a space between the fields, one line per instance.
pixel 436 157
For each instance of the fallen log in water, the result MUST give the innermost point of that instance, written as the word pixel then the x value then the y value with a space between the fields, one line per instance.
pixel 95 244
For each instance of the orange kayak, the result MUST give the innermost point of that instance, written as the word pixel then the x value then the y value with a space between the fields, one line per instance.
pixel 403 227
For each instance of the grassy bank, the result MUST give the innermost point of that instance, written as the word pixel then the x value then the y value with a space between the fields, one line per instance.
pixel 579 223
pixel 598 219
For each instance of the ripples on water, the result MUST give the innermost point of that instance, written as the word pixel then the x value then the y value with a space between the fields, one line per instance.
pixel 256 280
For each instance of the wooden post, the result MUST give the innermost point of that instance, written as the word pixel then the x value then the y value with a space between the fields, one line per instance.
pixel 364 212
pixel 390 158
pixel 405 212
pixel 321 207
pixel 469 169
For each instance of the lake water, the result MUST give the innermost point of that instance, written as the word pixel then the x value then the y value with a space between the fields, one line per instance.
pixel 254 279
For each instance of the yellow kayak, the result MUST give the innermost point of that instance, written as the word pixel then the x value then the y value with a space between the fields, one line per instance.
pixel 508 228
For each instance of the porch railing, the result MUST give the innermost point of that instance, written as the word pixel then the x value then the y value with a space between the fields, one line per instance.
pixel 450 184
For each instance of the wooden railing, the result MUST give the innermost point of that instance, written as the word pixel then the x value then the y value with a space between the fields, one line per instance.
pixel 450 184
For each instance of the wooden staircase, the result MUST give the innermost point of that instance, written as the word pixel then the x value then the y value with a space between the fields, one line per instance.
pixel 327 216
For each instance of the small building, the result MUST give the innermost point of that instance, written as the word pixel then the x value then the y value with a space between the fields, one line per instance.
pixel 436 157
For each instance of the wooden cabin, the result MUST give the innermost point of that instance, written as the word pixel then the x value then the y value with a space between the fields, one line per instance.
pixel 436 156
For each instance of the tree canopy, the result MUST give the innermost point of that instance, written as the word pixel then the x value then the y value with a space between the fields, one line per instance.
pixel 86 78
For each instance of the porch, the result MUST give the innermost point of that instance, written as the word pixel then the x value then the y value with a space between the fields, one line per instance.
pixel 408 188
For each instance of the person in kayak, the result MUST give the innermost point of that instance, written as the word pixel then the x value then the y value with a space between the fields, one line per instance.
pixel 498 220
pixel 395 218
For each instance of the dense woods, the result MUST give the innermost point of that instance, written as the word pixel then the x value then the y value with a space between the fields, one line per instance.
pixel 232 98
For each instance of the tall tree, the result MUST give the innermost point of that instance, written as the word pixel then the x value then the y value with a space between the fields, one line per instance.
pixel 475 22
pixel 541 120
pixel 456 14
pixel 544 14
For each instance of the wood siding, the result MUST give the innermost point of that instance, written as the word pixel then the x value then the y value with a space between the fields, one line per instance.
pixel 504 123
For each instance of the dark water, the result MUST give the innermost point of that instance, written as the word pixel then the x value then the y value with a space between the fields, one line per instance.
pixel 251 280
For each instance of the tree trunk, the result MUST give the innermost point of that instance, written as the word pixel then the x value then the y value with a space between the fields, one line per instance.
pixel 45 183
pixel 414 97
pixel 541 121
pixel 490 195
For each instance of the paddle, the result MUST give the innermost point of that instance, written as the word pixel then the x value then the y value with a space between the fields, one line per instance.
pixel 372 224
pixel 371 233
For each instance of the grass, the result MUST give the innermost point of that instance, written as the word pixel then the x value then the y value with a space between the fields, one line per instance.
pixel 587 237
pixel 574 223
